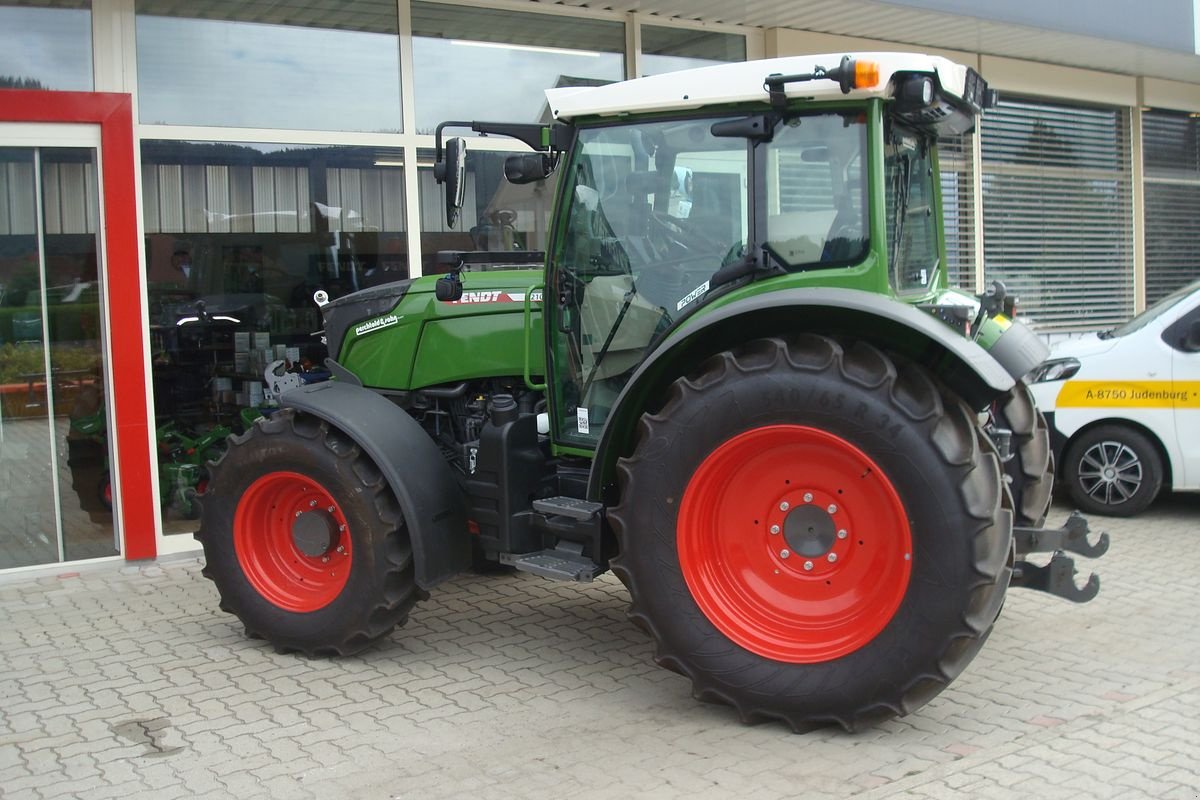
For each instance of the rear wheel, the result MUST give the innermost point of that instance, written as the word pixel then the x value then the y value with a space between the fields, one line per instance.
pixel 811 536
pixel 305 540
pixel 1113 470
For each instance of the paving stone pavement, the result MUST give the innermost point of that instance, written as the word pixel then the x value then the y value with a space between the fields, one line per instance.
pixel 124 681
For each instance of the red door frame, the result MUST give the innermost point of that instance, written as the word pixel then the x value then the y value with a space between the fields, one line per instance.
pixel 126 332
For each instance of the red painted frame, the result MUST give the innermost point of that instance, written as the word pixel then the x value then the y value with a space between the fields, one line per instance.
pixel 126 332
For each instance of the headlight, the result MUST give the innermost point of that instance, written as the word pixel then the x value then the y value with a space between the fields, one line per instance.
pixel 1054 369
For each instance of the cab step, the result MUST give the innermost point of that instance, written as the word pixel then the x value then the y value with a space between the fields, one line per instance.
pixel 564 563
pixel 571 507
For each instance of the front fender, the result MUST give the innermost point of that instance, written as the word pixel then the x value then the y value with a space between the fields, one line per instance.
pixel 430 497
pixel 958 362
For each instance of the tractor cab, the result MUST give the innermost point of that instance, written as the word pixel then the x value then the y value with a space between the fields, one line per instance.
pixel 682 192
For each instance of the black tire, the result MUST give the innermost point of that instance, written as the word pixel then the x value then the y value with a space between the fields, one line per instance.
pixel 1030 471
pixel 1136 477
pixel 261 571
pixel 947 480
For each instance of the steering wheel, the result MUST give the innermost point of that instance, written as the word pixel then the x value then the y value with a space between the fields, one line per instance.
pixel 686 236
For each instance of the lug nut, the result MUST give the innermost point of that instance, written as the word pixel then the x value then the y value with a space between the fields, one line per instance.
pixel 774 529
pixel 785 553
pixel 842 533
pixel 330 509
pixel 808 565
pixel 832 557
pixel 298 513
pixel 832 509
pixel 312 503
pixel 808 497
pixel 784 506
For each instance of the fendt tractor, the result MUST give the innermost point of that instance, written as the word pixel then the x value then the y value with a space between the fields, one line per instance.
pixel 737 378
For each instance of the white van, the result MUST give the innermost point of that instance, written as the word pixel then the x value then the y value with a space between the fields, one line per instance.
pixel 1124 407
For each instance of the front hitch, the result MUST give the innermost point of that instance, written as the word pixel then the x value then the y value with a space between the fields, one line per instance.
pixel 1058 577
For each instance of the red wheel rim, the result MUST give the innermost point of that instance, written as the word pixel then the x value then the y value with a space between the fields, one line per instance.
pixel 755 504
pixel 267 551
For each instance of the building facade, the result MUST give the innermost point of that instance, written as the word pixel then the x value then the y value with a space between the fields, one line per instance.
pixel 177 179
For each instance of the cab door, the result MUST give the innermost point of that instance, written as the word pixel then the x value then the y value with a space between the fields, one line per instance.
pixel 1184 341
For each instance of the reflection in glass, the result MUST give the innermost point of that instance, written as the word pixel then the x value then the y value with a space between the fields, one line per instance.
pixel 46 47
pixel 54 445
pixel 496 215
pixel 270 65
pixel 238 238
pixel 477 63
pixel 672 49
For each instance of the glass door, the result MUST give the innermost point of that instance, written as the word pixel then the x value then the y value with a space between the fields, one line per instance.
pixel 56 473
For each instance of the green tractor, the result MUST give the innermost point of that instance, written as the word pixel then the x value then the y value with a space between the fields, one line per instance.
pixel 737 378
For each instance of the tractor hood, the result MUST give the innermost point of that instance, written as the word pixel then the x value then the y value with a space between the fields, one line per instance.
pixel 357 308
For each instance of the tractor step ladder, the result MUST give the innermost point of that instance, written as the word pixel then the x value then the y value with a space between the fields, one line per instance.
pixel 566 562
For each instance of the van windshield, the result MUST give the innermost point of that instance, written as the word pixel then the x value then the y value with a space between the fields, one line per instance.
pixel 1152 313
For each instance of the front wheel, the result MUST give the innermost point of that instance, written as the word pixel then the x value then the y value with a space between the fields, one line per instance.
pixel 1030 470
pixel 1113 470
pixel 305 539
pixel 811 535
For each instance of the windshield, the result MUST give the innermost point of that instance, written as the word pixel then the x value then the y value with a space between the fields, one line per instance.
pixel 912 243
pixel 1153 312
pixel 657 208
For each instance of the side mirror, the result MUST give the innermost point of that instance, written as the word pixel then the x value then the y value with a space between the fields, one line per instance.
pixel 448 288
pixel 452 171
pixel 528 168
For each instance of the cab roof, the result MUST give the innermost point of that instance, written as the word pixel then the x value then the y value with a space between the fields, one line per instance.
pixel 743 82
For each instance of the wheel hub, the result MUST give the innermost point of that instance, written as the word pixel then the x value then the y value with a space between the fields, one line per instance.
pixel 809 531
pixel 1110 472
pixel 314 532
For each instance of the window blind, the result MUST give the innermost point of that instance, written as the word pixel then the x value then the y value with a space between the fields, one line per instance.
pixel 957 168
pixel 1058 212
pixel 1171 155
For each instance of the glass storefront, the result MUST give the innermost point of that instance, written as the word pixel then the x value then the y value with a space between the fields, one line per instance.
pixel 671 49
pixel 269 64
pixel 46 45
pixel 55 448
pixel 238 238
pixel 488 64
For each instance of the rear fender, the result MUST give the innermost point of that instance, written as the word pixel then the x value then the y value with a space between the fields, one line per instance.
pixel 958 362
pixel 430 497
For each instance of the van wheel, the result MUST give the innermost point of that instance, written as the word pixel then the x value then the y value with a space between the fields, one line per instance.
pixel 1113 470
